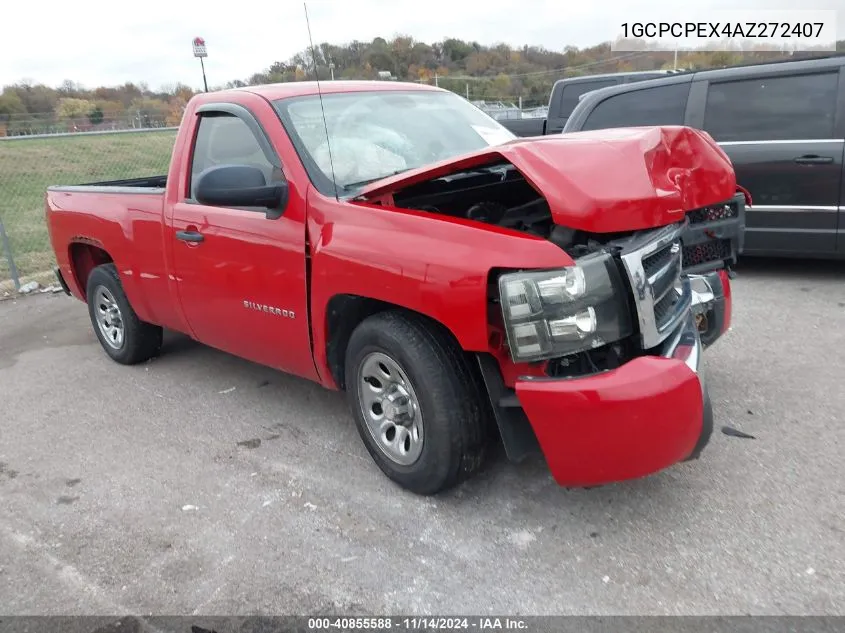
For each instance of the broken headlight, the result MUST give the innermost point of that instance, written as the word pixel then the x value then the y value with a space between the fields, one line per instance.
pixel 553 313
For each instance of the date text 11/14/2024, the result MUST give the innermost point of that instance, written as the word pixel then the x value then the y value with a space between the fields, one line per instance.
pixel 417 623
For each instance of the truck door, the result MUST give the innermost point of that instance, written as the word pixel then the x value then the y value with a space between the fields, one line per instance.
pixel 241 275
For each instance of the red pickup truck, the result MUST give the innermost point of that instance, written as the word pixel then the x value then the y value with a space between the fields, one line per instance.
pixel 460 285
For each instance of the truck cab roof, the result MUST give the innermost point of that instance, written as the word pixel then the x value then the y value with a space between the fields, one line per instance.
pixel 273 92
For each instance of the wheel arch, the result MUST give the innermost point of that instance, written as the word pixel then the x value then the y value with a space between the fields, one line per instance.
pixel 344 312
pixel 84 257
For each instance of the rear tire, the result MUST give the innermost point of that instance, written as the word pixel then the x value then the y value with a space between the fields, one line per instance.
pixel 424 423
pixel 123 336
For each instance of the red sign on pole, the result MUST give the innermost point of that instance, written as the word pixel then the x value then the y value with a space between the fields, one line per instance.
pixel 199 47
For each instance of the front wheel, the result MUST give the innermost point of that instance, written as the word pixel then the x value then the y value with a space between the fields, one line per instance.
pixel 416 404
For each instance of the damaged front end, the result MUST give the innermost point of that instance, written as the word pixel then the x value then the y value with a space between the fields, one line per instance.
pixel 671 211
pixel 599 362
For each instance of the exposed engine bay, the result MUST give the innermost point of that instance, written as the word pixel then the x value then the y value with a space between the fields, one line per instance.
pixel 498 194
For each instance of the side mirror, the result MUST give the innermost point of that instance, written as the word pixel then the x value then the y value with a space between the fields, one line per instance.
pixel 241 186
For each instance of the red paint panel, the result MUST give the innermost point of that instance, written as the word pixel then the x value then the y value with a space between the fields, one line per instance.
pixel 623 424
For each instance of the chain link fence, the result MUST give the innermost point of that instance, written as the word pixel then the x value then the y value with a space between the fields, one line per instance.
pixel 30 164
pixel 509 108
pixel 36 124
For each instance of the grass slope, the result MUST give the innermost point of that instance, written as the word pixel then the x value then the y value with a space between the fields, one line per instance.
pixel 29 166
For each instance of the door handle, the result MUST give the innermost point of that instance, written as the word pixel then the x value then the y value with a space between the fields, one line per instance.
pixel 814 159
pixel 189 236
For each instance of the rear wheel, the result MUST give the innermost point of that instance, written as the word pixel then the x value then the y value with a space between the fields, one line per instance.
pixel 416 404
pixel 123 336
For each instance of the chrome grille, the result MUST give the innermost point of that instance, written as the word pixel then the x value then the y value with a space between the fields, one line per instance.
pixel 662 295
pixel 658 260
pixel 664 307
pixel 662 271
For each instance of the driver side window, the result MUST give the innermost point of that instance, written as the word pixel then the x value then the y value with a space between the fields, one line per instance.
pixel 223 139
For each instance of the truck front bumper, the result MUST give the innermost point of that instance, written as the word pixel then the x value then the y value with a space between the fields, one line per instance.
pixel 640 418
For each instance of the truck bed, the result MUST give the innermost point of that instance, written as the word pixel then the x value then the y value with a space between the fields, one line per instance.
pixel 119 221
pixel 147 184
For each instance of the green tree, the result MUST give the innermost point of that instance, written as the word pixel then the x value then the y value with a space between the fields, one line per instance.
pixel 501 85
pixel 95 116
pixel 70 108
pixel 37 98
pixel 10 105
pixel 12 113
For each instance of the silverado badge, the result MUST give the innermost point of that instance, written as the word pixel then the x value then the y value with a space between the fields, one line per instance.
pixel 260 307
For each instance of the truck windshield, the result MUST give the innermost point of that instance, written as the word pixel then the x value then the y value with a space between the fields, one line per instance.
pixel 375 134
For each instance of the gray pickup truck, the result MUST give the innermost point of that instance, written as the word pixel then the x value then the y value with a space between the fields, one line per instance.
pixel 565 96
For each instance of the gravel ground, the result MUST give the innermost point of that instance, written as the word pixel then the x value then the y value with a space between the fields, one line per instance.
pixel 203 484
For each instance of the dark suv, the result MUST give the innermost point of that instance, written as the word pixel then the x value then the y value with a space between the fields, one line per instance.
pixel 781 123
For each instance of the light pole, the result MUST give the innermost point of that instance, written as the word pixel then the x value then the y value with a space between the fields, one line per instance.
pixel 200 51
pixel 331 69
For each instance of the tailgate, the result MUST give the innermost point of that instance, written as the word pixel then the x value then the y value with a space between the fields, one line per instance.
pixel 715 236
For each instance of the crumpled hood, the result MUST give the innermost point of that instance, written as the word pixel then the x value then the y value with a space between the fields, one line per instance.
pixel 604 181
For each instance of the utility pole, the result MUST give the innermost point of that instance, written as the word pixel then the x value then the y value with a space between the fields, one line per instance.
pixel 331 69
pixel 467 91
pixel 200 51
pixel 676 59
pixel 204 82
pixel 435 79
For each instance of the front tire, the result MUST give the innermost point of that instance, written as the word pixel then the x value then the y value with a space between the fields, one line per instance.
pixel 417 406
pixel 123 336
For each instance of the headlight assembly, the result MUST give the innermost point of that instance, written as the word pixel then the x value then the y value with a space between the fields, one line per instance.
pixel 552 313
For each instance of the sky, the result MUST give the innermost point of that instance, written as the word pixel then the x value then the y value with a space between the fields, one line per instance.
pixel 109 44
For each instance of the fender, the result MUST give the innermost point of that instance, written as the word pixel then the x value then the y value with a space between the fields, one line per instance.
pixel 362 249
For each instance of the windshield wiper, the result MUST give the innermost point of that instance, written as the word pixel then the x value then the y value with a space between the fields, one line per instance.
pixel 361 183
